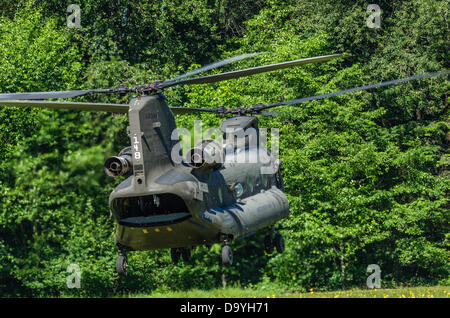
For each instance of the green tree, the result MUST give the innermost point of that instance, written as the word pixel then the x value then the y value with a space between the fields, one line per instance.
pixel 366 174
pixel 34 55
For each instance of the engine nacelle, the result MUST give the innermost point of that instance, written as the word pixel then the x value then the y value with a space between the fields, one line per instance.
pixel 207 154
pixel 118 165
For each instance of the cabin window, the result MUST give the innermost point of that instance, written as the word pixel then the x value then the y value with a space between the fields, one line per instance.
pixel 238 190
pixel 264 180
pixel 269 180
pixel 250 184
pixel 157 204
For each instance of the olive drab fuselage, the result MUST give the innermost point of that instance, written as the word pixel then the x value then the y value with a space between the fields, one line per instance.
pixel 167 204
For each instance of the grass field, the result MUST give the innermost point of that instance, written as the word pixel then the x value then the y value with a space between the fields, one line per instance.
pixel 410 292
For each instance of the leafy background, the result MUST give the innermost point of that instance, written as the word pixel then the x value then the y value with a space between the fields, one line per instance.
pixel 366 174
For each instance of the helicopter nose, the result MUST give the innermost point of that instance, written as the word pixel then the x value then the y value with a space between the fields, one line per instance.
pixel 149 210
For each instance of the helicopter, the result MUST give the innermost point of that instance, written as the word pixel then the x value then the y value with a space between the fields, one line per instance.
pixel 218 192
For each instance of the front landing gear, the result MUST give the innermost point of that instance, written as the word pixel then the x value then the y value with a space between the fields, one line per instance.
pixel 227 252
pixel 122 264
pixel 227 255
pixel 122 259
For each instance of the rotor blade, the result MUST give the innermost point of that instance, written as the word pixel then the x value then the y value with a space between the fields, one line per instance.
pixel 249 71
pixel 49 95
pixel 361 88
pixel 114 108
pixel 214 65
pixel 270 113
pixel 189 110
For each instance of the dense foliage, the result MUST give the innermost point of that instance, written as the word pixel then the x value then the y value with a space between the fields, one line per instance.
pixel 366 174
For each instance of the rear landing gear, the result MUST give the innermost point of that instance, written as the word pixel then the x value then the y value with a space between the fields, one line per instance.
pixel 180 252
pixel 278 241
pixel 274 240
pixel 268 244
pixel 175 255
pixel 186 254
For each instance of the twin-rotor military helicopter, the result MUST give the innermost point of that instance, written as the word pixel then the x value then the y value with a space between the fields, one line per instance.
pixel 214 195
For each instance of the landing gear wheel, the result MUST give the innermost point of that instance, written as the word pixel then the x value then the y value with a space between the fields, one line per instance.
pixel 268 244
pixel 278 241
pixel 175 254
pixel 186 254
pixel 227 255
pixel 121 265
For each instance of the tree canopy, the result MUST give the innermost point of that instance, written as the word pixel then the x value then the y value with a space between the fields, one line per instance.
pixel 366 173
